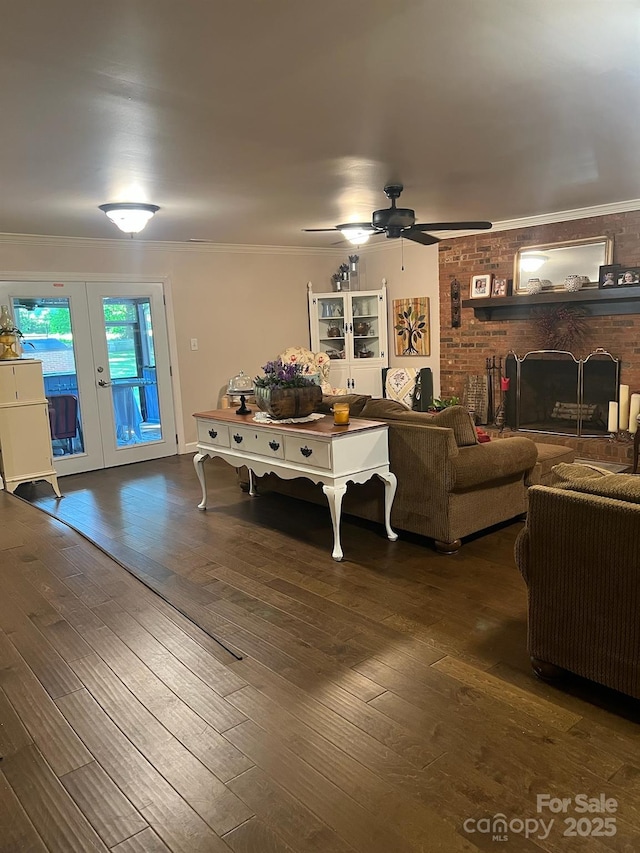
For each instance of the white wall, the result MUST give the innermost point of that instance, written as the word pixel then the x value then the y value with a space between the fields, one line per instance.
pixel 419 278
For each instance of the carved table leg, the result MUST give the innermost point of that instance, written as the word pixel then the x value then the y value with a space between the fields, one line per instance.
pixel 198 464
pixel 334 497
pixel 252 484
pixel 390 484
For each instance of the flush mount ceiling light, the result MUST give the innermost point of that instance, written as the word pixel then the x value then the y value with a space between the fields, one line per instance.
pixel 532 262
pixel 356 234
pixel 130 217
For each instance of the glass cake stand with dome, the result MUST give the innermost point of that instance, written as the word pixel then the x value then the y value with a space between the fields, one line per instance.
pixel 241 386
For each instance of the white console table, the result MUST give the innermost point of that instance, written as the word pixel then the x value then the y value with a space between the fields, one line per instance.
pixel 318 450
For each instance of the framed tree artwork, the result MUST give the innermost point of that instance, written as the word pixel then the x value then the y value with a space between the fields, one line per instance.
pixel 411 326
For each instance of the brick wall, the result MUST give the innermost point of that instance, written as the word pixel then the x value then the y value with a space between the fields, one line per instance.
pixel 464 350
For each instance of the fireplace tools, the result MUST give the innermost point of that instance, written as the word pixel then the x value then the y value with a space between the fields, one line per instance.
pixel 497 387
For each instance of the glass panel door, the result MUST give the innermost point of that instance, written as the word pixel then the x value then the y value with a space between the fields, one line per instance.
pixel 48 336
pixel 132 374
pixel 331 325
pixel 134 388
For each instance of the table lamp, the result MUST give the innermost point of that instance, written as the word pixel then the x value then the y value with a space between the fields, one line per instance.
pixel 241 386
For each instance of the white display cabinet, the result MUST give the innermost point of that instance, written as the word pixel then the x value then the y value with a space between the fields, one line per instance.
pixel 25 434
pixel 351 327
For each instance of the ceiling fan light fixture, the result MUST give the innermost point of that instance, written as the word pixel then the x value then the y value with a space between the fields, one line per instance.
pixel 531 262
pixel 355 234
pixel 130 217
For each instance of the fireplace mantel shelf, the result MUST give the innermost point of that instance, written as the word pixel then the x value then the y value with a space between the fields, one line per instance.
pixel 615 300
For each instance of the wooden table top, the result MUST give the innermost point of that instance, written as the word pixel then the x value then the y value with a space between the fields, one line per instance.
pixel 325 426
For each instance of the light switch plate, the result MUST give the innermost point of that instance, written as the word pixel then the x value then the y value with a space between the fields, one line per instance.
pixel 194 343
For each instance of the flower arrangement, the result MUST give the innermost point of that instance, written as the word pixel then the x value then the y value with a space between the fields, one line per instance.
pixel 280 375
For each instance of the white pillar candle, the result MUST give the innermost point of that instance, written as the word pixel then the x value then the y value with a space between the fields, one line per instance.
pixel 634 411
pixel 612 423
pixel 623 407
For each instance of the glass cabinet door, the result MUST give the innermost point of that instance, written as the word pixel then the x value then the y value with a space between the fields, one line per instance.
pixel 331 329
pixel 365 325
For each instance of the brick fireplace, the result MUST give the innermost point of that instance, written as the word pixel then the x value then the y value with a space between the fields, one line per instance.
pixel 464 350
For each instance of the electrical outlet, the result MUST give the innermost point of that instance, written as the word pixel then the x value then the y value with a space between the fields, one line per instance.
pixel 194 343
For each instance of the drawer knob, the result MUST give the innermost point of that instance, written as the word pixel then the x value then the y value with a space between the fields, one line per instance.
pixel 306 451
pixel 274 445
pixel 237 438
pixel 213 433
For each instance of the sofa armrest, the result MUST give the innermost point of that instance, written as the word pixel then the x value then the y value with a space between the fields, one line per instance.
pixel 421 457
pixel 494 460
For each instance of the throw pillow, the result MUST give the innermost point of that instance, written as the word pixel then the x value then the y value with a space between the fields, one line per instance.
pixel 460 421
pixel 400 385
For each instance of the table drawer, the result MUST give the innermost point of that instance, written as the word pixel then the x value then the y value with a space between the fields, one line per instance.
pixel 316 454
pixel 210 432
pixel 258 442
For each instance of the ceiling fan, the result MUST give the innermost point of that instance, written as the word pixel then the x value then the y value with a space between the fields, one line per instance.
pixel 398 222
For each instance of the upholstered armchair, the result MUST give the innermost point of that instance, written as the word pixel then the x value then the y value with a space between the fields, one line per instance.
pixel 312 363
pixel 578 555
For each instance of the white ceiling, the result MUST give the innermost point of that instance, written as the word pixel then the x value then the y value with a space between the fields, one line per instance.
pixel 248 120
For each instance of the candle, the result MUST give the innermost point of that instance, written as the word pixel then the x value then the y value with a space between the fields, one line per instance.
pixel 634 411
pixel 341 414
pixel 623 410
pixel 612 423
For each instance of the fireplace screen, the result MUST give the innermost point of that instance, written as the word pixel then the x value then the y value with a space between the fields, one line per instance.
pixel 552 391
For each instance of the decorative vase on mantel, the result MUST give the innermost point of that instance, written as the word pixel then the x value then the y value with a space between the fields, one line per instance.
pixel 573 283
pixel 283 403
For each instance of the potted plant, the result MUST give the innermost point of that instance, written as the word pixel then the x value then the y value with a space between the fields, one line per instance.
pixel 284 391
pixel 440 403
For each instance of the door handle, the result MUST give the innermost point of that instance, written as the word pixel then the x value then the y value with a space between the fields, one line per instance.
pixel 103 384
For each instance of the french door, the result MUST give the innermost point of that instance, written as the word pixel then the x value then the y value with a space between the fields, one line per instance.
pixel 105 359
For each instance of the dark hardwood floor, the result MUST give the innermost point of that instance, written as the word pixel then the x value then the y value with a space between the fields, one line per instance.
pixel 379 703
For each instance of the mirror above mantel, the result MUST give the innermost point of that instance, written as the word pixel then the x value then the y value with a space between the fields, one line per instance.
pixel 553 262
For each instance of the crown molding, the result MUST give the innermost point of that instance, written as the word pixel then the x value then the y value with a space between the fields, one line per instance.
pixel 558 216
pixel 134 245
pixel 126 244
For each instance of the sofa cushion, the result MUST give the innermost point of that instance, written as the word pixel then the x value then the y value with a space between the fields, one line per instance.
pixel 356 403
pixel 593 481
pixel 455 418
pixel 376 409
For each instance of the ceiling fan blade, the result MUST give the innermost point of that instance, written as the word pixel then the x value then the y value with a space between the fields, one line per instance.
pixel 453 226
pixel 418 237
pixel 319 229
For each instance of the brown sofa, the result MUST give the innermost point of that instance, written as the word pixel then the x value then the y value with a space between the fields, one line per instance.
pixel 449 485
pixel 578 554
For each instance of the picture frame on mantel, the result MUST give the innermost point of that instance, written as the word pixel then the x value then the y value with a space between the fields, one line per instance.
pixel 608 276
pixel 481 286
pixel 499 287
